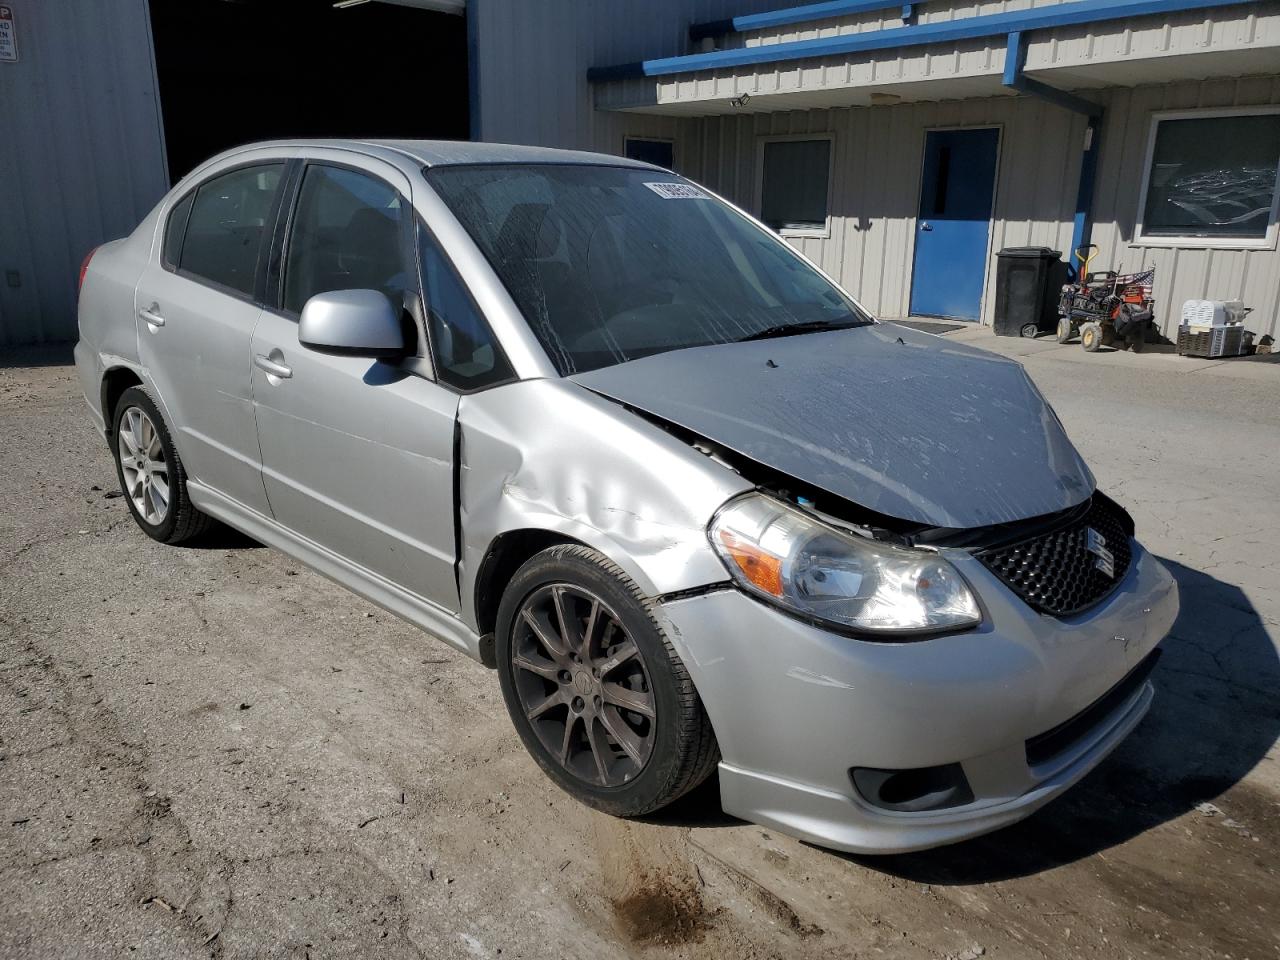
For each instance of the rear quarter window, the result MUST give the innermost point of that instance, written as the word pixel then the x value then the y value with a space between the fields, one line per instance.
pixel 227 225
pixel 175 229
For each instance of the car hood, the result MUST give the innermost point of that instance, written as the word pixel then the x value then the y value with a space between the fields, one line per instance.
pixel 897 421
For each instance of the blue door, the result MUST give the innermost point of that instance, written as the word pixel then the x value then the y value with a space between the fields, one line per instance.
pixel 955 221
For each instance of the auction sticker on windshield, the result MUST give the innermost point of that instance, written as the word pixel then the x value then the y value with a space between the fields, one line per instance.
pixel 677 191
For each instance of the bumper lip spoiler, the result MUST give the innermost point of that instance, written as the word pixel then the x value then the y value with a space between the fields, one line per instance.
pixel 1046 751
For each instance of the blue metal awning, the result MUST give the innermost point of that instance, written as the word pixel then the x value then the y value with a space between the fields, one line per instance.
pixel 968 28
pixel 789 15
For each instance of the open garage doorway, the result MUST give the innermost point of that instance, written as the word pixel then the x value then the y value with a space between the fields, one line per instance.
pixel 233 71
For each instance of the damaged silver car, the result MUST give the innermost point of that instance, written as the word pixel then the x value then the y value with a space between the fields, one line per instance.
pixel 606 433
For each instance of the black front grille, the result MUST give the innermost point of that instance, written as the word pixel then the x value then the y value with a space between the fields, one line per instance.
pixel 1056 572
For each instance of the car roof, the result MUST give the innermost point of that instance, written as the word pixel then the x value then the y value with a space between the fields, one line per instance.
pixel 442 153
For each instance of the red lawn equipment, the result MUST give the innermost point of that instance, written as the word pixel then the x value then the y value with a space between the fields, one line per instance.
pixel 1106 309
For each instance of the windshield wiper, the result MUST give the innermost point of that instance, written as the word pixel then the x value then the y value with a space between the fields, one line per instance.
pixel 807 326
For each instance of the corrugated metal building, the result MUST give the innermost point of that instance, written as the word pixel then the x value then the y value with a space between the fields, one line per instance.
pixel 842 122
pixel 869 82
pixel 81 152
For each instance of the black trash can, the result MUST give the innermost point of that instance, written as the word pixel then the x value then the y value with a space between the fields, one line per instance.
pixel 1026 291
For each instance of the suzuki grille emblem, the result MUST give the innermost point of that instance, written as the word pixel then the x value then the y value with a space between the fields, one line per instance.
pixel 1097 545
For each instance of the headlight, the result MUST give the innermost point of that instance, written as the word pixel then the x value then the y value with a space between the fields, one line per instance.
pixel 816 570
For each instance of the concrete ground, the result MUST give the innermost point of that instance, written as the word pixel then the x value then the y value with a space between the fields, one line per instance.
pixel 212 752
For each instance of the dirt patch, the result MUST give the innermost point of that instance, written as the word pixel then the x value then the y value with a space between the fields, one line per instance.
pixel 654 888
pixel 662 911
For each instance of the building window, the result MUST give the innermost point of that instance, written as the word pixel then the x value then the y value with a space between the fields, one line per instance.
pixel 658 152
pixel 1212 179
pixel 795 184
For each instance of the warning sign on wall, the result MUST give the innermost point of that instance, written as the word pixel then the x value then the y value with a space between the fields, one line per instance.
pixel 8 35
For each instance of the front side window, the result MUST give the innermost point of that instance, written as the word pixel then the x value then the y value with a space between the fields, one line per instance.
pixel 1213 178
pixel 610 264
pixel 227 225
pixel 467 355
pixel 794 179
pixel 346 235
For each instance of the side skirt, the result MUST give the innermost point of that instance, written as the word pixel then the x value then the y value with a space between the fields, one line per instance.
pixel 408 606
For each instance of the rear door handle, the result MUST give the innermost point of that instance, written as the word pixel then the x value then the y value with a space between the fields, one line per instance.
pixel 151 315
pixel 272 367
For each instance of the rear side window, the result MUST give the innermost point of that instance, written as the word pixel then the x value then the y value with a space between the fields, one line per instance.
pixel 467 355
pixel 347 235
pixel 227 224
pixel 176 229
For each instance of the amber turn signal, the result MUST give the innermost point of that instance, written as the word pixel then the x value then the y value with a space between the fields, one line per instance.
pixel 764 570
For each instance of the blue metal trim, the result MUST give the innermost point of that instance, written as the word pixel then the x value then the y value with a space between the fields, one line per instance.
pixel 969 28
pixel 1015 56
pixel 473 69
pixel 1082 227
pixel 778 18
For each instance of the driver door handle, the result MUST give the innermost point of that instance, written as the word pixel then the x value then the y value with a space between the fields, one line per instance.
pixel 271 367
pixel 926 226
pixel 151 315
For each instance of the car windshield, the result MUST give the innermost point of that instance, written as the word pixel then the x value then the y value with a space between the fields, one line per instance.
pixel 610 264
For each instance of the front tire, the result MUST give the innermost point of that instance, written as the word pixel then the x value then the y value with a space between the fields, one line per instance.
pixel 150 472
pixel 1091 337
pixel 595 689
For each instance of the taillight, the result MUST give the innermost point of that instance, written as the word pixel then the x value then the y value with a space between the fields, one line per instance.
pixel 84 267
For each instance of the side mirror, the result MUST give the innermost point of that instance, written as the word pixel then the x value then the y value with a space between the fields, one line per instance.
pixel 358 323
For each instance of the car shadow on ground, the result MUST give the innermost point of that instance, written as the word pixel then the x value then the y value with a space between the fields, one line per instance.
pixel 1214 718
pixel 221 537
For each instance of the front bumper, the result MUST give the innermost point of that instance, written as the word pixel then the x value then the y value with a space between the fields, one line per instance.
pixel 796 707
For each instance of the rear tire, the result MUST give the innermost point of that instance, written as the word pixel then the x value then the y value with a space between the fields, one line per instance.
pixel 1138 344
pixel 150 471
pixel 594 687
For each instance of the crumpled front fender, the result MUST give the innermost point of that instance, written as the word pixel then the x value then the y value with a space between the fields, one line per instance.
pixel 550 455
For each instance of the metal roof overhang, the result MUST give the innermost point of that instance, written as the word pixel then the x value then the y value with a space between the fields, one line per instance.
pixel 441 6
pixel 808 13
pixel 853 70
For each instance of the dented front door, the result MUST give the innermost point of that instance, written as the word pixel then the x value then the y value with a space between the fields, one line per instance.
pixel 357 456
pixel 357 453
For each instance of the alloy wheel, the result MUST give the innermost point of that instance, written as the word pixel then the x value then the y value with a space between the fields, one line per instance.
pixel 583 685
pixel 143 465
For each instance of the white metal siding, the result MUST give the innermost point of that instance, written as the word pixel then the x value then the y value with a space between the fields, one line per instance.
pixel 1227 41
pixel 81 152
pixel 1182 273
pixel 878 155
pixel 877 158
pixel 883 19
pixel 534 56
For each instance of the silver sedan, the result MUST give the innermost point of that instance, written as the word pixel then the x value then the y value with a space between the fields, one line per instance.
pixel 606 433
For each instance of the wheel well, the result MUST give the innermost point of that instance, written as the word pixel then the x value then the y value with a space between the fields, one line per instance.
pixel 114 383
pixel 507 554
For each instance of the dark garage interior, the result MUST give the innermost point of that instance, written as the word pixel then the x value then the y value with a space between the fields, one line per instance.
pixel 234 71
